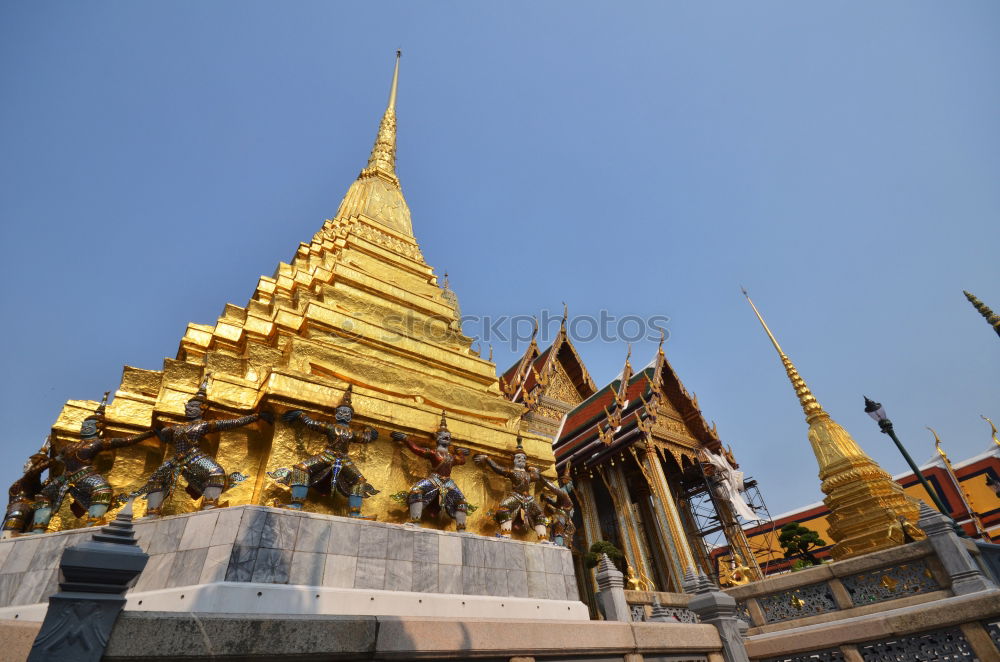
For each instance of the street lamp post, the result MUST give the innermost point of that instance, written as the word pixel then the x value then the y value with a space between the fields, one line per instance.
pixel 877 412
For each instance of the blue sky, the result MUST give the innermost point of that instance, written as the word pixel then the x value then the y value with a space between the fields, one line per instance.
pixel 840 160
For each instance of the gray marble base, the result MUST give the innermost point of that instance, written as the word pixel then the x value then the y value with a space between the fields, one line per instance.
pixel 271 545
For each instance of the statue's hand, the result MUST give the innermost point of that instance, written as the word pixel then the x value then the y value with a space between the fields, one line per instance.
pixel 267 416
pixel 479 459
pixel 372 434
pixel 292 415
pixel 464 451
pixel 398 437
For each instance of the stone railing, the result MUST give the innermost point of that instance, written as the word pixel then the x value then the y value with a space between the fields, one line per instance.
pixel 659 606
pixel 928 600
pixel 910 573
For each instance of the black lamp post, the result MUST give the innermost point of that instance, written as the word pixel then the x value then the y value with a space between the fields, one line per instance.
pixel 877 412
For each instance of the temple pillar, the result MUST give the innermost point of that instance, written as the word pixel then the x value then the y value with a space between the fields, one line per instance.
pixel 584 490
pixel 668 519
pixel 618 487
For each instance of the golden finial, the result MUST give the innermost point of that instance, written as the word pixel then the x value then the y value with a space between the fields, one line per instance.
pixel 491 353
pixel 995 439
pixel 984 310
pixel 534 328
pixel 962 492
pixel 383 156
pixel 395 82
pixel 663 337
pixel 810 406
pixel 937 443
pixel 565 316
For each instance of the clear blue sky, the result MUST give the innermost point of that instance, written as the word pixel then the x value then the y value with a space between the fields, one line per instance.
pixel 841 160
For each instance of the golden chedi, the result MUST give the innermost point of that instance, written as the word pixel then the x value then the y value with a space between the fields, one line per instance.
pixel 868 510
pixel 356 307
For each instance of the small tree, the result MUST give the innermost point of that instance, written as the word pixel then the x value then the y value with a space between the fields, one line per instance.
pixel 799 541
pixel 593 557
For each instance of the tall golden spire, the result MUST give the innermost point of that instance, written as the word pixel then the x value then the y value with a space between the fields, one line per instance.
pixel 376 194
pixel 383 157
pixel 984 310
pixel 865 503
pixel 810 406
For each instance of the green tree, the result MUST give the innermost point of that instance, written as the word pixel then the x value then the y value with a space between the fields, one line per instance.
pixel 593 557
pixel 798 540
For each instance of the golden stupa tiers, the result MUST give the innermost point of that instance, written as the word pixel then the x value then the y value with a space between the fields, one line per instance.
pixel 356 305
pixel 865 503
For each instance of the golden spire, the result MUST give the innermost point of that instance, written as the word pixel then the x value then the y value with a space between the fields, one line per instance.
pixel 962 492
pixel 996 440
pixel 376 194
pixel 810 406
pixel 383 157
pixel 865 503
pixel 984 310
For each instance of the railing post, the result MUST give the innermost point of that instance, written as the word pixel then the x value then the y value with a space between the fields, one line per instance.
pixel 966 576
pixel 611 592
pixel 80 616
pixel 719 609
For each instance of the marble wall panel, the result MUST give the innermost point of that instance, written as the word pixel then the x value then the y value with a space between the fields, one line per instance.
pixel 425 577
pixel 373 541
pixel 167 536
pixel 398 575
pixel 307 568
pixel 473 552
pixel 450 550
pixel 198 531
pixel 370 573
pixel 272 566
pixel 20 557
pixel 450 578
pixel 533 559
pixel 280 531
pixel 314 535
pixel 339 571
pixel 344 538
pixel 216 564
pixel 227 526
pixel 241 563
pixel 399 544
pixel 425 549
pixel 187 567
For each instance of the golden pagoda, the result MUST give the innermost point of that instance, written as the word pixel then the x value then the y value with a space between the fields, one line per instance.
pixel 356 306
pixel 865 503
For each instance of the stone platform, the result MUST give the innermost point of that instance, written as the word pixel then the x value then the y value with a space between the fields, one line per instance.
pixel 236 556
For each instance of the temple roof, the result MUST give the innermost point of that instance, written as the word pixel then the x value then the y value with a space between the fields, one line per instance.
pixel 535 365
pixel 620 414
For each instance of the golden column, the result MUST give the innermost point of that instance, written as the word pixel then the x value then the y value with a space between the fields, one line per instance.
pixel 584 490
pixel 865 503
pixel 617 486
pixel 668 519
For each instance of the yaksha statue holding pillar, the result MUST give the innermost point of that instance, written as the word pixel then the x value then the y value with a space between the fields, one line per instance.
pixel 204 476
pixel 91 492
pixel 331 469
pixel 25 495
pixel 437 491
pixel 520 503
pixel 559 508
